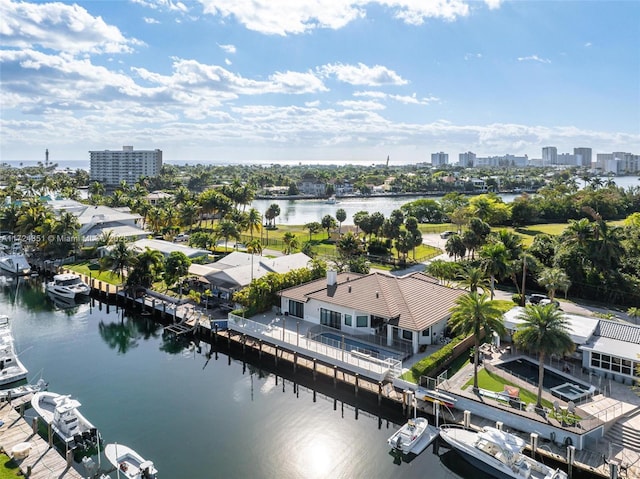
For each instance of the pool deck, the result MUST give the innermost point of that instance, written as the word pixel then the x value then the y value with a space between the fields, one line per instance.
pixel 620 404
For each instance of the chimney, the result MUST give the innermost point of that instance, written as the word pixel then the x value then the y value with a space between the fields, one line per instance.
pixel 377 294
pixel 349 288
pixel 332 277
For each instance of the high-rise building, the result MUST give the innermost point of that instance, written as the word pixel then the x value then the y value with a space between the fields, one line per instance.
pixel 468 159
pixel 583 156
pixel 439 159
pixel 110 167
pixel 549 156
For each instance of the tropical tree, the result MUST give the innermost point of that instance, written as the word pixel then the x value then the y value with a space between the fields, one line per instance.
pixel 176 265
pixel 119 259
pixel 341 215
pixel 544 330
pixel 313 228
pixel 254 247
pixel 227 229
pixel 328 223
pixel 553 279
pixel 476 314
pixel 495 261
pixel 147 267
pixel 189 211
pixel 290 242
pixel 472 277
pixel 455 247
pixel 254 221
pixel 272 213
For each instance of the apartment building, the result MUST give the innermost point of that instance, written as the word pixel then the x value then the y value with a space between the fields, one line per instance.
pixel 110 167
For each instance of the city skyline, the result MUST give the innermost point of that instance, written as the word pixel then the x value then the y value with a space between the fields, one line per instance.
pixel 328 81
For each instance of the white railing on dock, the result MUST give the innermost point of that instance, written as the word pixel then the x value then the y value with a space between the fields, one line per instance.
pixel 279 335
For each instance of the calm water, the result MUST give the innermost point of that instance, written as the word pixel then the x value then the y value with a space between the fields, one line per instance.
pixel 204 418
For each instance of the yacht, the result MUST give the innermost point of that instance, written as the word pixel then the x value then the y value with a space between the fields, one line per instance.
pixel 13 260
pixel 68 285
pixel 11 369
pixel 497 453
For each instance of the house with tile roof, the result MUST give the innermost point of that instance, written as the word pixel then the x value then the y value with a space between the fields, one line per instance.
pixel 413 308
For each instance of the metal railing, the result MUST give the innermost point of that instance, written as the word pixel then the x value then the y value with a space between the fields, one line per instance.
pixel 399 347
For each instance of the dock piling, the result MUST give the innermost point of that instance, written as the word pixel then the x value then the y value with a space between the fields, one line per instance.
pixel 571 454
pixel 357 377
pixel 34 424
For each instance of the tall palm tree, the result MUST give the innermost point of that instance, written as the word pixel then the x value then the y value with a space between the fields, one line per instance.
pixel 254 221
pixel 341 215
pixel 553 279
pixel 119 259
pixel 290 242
pixel 495 261
pixel 227 229
pixel 473 314
pixel 189 210
pixel 472 277
pixel 147 267
pixel 254 247
pixel 545 330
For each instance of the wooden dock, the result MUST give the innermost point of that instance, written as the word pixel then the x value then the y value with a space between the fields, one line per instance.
pixel 43 461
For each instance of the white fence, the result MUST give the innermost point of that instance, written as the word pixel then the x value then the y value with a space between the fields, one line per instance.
pixel 352 360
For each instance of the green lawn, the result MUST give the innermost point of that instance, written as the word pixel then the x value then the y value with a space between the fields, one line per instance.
pixel 495 383
pixel 88 269
pixel 8 468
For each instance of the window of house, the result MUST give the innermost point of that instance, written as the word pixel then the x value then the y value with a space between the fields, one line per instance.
pixel 615 364
pixel 595 360
pixel 296 308
pixel 347 320
pixel 330 318
pixel 426 332
pixel 362 321
pixel 626 366
pixel 408 335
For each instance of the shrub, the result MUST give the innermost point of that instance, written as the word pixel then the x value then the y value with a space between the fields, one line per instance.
pixel 432 363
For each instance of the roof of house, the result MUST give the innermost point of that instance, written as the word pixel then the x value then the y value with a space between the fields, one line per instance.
pixel 166 247
pixel 620 331
pixel 416 300
pixel 580 328
pixel 116 229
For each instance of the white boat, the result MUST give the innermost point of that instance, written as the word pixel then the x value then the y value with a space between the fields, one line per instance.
pixel 413 437
pixel 68 285
pixel 11 369
pixel 331 200
pixel 433 395
pixel 14 261
pixel 129 463
pixel 23 390
pixel 61 412
pixel 498 453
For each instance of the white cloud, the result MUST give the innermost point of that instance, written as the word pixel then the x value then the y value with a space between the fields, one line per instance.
pixel 493 4
pixel 163 4
pixel 150 20
pixel 61 27
pixel 294 16
pixel 405 99
pixel 230 49
pixel 227 61
pixel 361 105
pixel 469 56
pixel 362 74
pixel 588 44
pixel 534 58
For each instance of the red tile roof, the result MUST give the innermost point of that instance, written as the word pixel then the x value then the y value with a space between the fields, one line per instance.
pixel 417 300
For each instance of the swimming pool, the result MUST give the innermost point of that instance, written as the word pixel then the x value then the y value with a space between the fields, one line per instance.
pixel 564 387
pixel 351 344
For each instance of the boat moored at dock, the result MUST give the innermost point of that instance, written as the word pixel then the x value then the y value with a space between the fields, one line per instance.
pixel 68 285
pixel 498 453
pixel 11 369
pixel 129 463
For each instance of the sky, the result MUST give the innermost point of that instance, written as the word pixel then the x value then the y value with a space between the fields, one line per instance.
pixel 317 81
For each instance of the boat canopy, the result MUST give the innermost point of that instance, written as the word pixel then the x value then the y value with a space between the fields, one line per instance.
pixel 507 442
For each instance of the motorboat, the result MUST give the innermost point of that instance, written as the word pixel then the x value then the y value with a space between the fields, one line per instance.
pixel 433 395
pixel 61 412
pixel 23 390
pixel 129 463
pixel 413 437
pixel 497 452
pixel 68 285
pixel 14 261
pixel 11 369
pixel 331 200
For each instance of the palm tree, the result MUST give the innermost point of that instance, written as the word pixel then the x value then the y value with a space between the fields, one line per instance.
pixel 119 259
pixel 254 221
pixel 147 267
pixel 272 213
pixel 545 331
pixel 472 277
pixel 495 261
pixel 341 215
pixel 254 247
pixel 227 229
pixel 455 247
pixel 290 242
pixel 313 228
pixel 553 279
pixel 474 314
pixel 189 210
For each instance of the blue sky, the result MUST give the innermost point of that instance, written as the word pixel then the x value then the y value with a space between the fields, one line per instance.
pixel 332 81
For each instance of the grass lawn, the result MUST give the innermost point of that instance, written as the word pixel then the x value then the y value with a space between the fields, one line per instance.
pixel 495 383
pixel 87 269
pixel 8 468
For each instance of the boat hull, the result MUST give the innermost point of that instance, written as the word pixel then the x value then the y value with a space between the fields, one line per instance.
pixel 129 463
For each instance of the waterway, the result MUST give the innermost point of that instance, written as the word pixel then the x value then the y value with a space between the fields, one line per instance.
pixel 197 416
pixel 199 413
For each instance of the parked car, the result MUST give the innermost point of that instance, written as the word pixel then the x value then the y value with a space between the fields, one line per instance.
pixel 542 299
pixel 446 234
pixel 180 237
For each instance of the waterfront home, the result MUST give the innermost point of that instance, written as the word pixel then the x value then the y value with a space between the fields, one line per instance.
pixel 156 197
pixel 167 247
pixel 99 220
pixel 413 308
pixel 604 348
pixel 236 271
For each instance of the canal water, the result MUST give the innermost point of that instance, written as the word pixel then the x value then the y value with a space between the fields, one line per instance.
pixel 198 413
pixel 195 415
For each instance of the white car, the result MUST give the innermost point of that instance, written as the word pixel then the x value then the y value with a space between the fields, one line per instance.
pixel 180 237
pixel 446 234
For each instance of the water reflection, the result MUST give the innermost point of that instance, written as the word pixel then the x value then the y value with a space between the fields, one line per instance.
pixel 123 335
